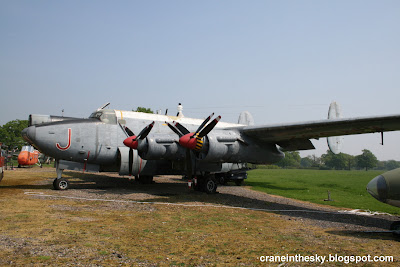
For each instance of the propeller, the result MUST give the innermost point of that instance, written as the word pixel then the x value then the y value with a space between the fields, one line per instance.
pixel 132 140
pixel 203 123
pixel 193 141
pixel 175 129
pixel 181 128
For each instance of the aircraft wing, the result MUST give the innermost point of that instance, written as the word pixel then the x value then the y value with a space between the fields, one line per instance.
pixel 296 136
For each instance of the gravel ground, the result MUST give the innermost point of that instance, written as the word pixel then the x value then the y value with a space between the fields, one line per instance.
pixel 172 189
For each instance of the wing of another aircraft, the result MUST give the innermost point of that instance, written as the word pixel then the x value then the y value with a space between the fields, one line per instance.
pixel 295 136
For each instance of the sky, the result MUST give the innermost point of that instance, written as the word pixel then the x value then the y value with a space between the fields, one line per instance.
pixel 283 61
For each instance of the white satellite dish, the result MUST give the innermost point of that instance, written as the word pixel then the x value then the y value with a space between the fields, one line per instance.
pixel 335 142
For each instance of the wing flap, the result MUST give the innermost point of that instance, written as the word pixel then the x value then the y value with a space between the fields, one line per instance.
pixel 296 144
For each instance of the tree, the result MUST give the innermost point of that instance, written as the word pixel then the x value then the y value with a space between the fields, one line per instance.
pixel 10 133
pixel 292 159
pixel 144 110
pixel 306 162
pixel 392 164
pixel 366 160
pixel 339 161
pixel 334 161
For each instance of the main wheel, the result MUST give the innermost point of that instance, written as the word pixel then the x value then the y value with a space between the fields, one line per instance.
pixel 222 179
pixel 1 173
pixel 60 184
pixel 210 185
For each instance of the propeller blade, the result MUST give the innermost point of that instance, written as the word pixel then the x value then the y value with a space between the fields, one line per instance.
pixel 123 129
pixel 204 123
pixel 174 129
pixel 181 128
pixel 209 127
pixel 128 131
pixel 143 134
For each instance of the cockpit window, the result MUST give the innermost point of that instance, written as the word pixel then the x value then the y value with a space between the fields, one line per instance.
pixel 105 115
pixel 27 148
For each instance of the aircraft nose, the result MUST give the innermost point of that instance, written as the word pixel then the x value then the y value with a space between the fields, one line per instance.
pixel 29 134
pixel 378 188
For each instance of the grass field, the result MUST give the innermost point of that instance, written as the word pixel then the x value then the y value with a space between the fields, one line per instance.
pixel 347 188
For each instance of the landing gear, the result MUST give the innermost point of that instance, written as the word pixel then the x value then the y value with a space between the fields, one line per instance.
pixel 206 184
pixel 210 185
pixel 60 184
pixel 222 179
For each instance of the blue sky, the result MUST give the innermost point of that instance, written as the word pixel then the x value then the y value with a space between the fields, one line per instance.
pixel 284 61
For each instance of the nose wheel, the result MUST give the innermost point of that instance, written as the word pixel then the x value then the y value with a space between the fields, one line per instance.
pixel 60 184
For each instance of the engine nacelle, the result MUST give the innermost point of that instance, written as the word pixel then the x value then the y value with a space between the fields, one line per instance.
pixel 130 162
pixel 232 147
pixel 161 148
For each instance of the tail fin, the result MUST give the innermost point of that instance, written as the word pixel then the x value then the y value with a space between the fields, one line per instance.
pixel 246 118
pixel 335 142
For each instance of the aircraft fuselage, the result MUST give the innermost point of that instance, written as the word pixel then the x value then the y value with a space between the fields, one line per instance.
pixel 98 141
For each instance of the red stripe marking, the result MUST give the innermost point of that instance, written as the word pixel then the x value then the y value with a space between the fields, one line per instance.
pixel 69 141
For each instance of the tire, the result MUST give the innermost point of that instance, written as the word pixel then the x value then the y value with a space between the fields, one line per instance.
pixel 60 184
pixel 210 185
pixel 222 180
pixel 1 174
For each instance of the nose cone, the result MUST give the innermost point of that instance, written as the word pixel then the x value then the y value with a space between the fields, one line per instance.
pixel 23 158
pixel 29 134
pixel 188 141
pixel 378 188
pixel 129 142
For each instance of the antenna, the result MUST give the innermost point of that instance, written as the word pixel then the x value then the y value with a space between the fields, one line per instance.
pixel 104 106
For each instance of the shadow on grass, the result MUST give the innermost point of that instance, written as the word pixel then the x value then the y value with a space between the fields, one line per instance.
pixel 384 235
pixel 270 186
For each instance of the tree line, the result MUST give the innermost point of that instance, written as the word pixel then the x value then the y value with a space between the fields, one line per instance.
pixel 10 134
pixel 342 161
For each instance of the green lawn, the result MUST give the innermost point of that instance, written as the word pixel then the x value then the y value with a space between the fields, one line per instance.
pixel 347 187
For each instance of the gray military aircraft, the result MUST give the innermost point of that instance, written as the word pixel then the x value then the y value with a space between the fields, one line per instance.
pixel 199 149
pixel 386 188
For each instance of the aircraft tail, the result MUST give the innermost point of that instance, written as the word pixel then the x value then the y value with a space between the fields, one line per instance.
pixel 335 142
pixel 246 118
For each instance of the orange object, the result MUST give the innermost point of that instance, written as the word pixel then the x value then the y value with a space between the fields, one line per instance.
pixel 28 156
